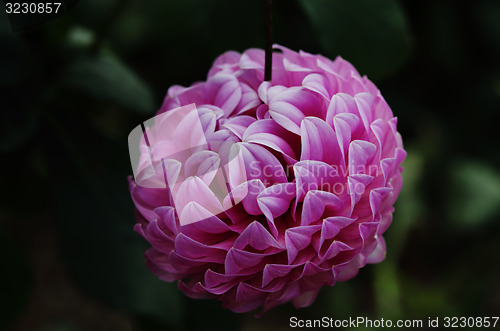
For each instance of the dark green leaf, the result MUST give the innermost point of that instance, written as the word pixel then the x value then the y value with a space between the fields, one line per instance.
pixel 474 194
pixel 372 35
pixel 105 77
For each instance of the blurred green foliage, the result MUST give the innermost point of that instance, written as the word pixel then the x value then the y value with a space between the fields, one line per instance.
pixel 71 90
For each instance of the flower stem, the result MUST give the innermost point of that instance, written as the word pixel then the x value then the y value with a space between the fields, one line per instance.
pixel 269 41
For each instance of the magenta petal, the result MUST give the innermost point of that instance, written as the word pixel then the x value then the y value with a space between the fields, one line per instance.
pixel 376 197
pixel 385 221
pixel 252 59
pixel 180 96
pixel 335 248
pixel 378 128
pixel 348 270
pixel 207 229
pixel 192 249
pixel 344 68
pixel 361 154
pixel 226 92
pixel 249 100
pixel 289 292
pixel 238 260
pixel 157 263
pixel 357 185
pixel 290 66
pixel 318 83
pixel 313 208
pixel 213 279
pixel 238 125
pixel 251 191
pixel 364 102
pixel 262 164
pixel 378 254
pixel 331 226
pixel 256 236
pixel 273 271
pixel 270 134
pixel 203 164
pixel 262 112
pixel 298 238
pixel 275 200
pixel 225 63
pixel 247 298
pixel 346 127
pixel 187 202
pixel 196 291
pixel 208 115
pixel 315 175
pixel 184 264
pixel 291 106
pixel 267 92
pixel 158 238
pixel 368 232
pixel 313 275
pixel 305 299
pixel 339 104
pixel 319 142
pixel 147 199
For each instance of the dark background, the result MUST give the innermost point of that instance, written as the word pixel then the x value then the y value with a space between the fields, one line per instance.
pixel 73 88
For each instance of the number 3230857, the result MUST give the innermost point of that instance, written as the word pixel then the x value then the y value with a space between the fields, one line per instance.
pixel 32 8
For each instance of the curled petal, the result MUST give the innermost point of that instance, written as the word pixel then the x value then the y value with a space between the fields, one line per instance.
pixel 238 260
pixel 262 164
pixel 226 63
pixel 292 105
pixel 239 124
pixel 256 236
pixel 226 92
pixel 270 134
pixel 298 238
pixel 361 154
pixel 316 175
pixel 319 142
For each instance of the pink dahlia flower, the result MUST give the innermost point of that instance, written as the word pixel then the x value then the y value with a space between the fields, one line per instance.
pixel 275 189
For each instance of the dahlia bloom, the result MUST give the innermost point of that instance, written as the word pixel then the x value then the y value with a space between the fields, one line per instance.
pixel 258 193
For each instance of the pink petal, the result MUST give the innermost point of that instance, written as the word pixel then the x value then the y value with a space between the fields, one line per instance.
pixel 225 91
pixel 225 63
pixel 290 107
pixel 189 248
pixel 256 236
pixel 361 154
pixel 270 134
pixel 273 271
pixel 319 142
pixel 238 260
pixel 239 124
pixel 331 226
pixel 297 239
